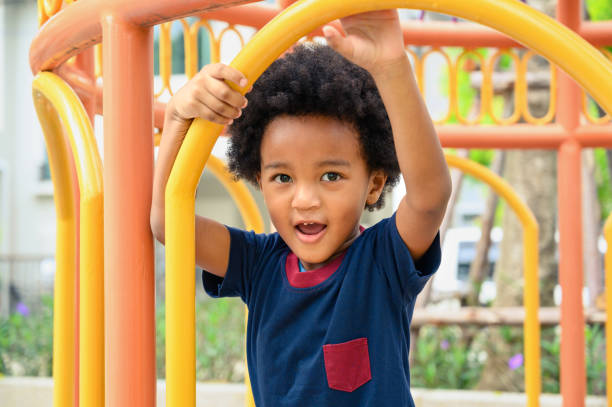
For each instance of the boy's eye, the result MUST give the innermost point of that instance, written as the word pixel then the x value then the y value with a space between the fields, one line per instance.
pixel 282 178
pixel 330 176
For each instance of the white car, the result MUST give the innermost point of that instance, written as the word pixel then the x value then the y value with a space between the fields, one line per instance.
pixel 458 251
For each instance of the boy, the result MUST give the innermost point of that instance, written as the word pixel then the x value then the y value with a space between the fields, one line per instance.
pixel 329 303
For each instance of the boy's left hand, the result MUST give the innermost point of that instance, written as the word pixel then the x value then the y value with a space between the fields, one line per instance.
pixel 373 40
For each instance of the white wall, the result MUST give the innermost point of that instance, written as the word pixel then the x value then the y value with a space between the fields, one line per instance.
pixel 31 214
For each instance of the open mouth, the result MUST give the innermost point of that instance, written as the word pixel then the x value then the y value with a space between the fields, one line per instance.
pixel 310 232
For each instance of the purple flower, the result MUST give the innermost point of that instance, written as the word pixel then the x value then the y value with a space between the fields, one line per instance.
pixel 22 309
pixel 444 344
pixel 515 361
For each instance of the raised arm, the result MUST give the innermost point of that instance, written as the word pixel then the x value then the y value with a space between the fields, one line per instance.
pixel 207 96
pixel 374 41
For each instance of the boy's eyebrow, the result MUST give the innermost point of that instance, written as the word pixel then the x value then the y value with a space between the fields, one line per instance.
pixel 334 163
pixel 324 163
pixel 276 164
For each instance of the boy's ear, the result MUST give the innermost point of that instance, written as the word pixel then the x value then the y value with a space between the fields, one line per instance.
pixel 259 180
pixel 378 178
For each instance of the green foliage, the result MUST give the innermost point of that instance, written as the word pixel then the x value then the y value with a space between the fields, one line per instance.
pixel 26 341
pixel 444 360
pixel 603 182
pixel 453 358
pixel 599 9
pixel 595 359
pixel 551 352
pixel 448 357
pixel 482 157
pixel 220 340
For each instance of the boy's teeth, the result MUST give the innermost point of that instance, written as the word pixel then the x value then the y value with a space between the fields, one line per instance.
pixel 310 228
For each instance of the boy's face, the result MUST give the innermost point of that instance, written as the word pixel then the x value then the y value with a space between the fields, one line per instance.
pixel 316 183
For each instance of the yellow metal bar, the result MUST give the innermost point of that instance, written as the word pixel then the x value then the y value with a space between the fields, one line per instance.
pixel 65 251
pixel 543 34
pixel 252 221
pixel 606 117
pixel 607 230
pixel 487 79
pixel 79 132
pixel 165 57
pixel 452 80
pixel 190 44
pixel 483 90
pixel 530 264
pixel 180 326
pixel 42 15
pixel 98 60
pixel 524 88
pixel 52 6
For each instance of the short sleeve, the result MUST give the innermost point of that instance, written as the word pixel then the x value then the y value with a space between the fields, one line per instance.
pixel 247 249
pixel 406 277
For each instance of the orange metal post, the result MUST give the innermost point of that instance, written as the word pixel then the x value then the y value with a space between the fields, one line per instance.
pixel 573 371
pixel 515 136
pixel 128 243
pixel 595 135
pixel 598 33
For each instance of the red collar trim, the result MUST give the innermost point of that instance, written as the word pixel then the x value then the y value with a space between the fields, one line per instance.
pixel 310 278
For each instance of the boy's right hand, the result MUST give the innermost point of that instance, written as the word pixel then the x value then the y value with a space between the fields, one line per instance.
pixel 208 96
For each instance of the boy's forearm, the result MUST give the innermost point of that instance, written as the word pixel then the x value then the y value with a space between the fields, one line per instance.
pixel 417 145
pixel 171 140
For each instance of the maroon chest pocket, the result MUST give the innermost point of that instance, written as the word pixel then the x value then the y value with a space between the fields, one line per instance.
pixel 347 364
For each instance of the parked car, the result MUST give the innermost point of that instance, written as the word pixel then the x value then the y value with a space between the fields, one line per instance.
pixel 458 252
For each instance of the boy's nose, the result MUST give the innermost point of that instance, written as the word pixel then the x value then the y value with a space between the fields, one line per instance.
pixel 305 197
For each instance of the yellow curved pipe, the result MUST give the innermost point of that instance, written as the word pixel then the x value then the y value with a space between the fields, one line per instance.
pixel 549 38
pixel 50 89
pixel 65 252
pixel 533 381
pixel 252 221
pixel 180 325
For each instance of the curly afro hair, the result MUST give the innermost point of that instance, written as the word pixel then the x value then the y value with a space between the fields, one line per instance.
pixel 313 79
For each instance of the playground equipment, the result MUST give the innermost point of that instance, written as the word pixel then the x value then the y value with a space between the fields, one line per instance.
pixel 126 28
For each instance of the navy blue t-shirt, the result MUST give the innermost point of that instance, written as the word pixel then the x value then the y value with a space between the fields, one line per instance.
pixel 335 336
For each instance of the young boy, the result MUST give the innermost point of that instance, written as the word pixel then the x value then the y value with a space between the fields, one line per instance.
pixel 330 304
